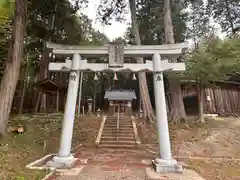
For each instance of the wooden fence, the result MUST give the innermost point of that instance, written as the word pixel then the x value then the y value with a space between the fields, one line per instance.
pixel 219 97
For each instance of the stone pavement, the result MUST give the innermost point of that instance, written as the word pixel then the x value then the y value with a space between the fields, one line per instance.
pixel 109 164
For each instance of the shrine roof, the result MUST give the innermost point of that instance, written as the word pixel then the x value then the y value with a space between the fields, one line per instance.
pixel 49 85
pixel 120 95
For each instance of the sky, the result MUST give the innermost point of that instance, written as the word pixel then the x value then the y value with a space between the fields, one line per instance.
pixel 117 29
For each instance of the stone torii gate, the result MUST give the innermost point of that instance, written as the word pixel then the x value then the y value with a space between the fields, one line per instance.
pixel 116 63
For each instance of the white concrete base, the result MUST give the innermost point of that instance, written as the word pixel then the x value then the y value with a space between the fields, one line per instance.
pixel 164 166
pixel 34 165
pixel 69 172
pixel 62 162
pixel 187 174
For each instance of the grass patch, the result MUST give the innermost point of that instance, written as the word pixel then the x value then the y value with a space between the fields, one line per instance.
pixel 191 131
pixel 16 152
pixel 42 137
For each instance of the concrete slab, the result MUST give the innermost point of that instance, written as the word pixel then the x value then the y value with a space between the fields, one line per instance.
pixel 187 174
pixel 149 162
pixel 69 172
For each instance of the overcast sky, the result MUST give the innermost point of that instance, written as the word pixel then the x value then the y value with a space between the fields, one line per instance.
pixel 113 31
pixel 116 29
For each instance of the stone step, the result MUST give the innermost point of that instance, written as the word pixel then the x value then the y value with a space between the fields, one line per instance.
pixel 128 134
pixel 119 137
pixel 120 125
pixel 115 121
pixel 125 133
pixel 119 129
pixel 107 137
pixel 117 142
pixel 122 130
pixel 121 118
pixel 119 121
pixel 118 146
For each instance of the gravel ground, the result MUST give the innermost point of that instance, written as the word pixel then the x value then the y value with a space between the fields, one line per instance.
pixel 109 164
pixel 96 172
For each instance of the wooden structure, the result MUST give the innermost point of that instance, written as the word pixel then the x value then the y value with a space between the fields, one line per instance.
pixel 221 97
pixel 120 101
pixel 53 91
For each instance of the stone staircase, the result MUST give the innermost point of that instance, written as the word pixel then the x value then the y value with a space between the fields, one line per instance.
pixel 118 134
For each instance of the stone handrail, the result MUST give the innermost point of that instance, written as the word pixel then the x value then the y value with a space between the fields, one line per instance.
pixel 118 121
pixel 137 139
pixel 100 130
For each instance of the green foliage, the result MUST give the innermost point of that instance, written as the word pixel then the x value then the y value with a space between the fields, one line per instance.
pixel 20 178
pixel 5 33
pixel 150 16
pixel 57 21
pixel 226 13
pixel 6 10
pixel 213 60
pixel 150 19
pixel 113 10
pixel 198 21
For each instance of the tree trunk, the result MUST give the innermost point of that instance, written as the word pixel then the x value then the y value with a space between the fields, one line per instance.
pixel 57 101
pixel 45 62
pixel 200 102
pixel 11 73
pixel 22 96
pixel 44 75
pixel 23 88
pixel 38 102
pixel 94 98
pixel 43 107
pixel 177 106
pixel 147 106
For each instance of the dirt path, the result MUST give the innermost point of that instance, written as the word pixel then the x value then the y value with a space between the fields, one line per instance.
pixel 107 164
pixel 216 139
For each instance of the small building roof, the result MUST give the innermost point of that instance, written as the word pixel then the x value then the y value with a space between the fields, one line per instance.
pixel 120 95
pixel 49 85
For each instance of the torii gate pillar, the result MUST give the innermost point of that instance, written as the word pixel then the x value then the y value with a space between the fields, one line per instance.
pixel 64 158
pixel 165 163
